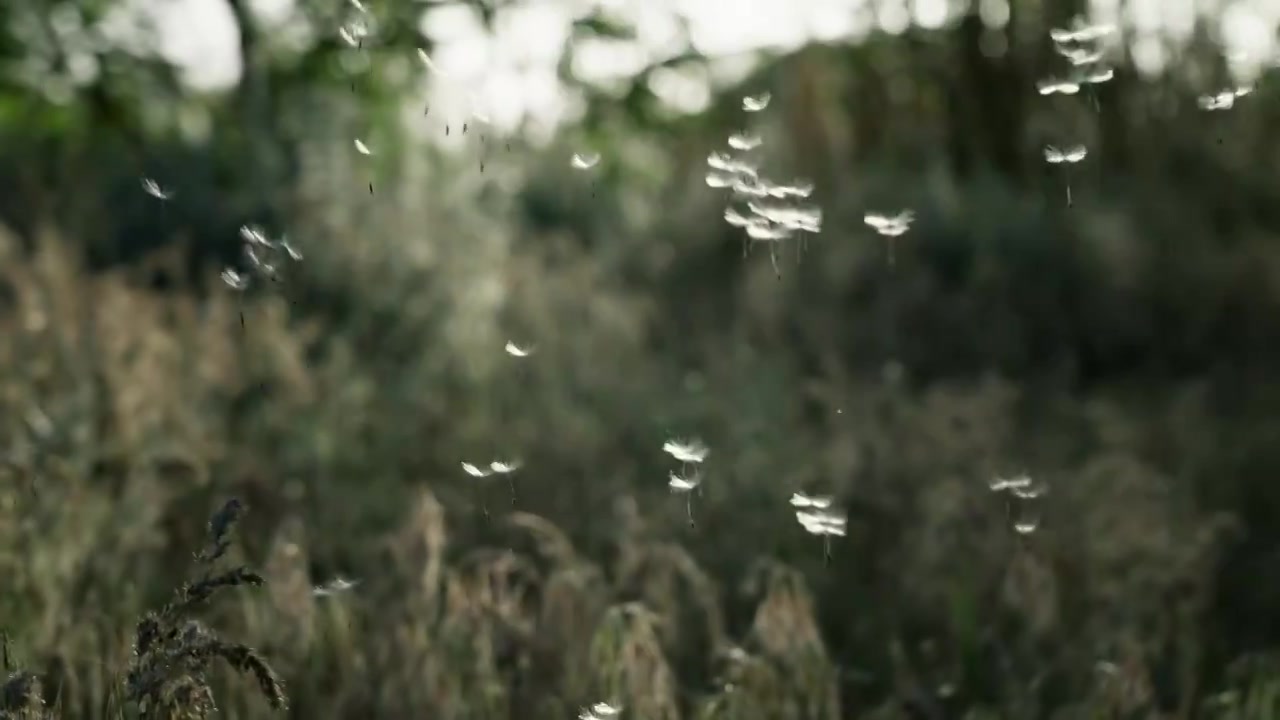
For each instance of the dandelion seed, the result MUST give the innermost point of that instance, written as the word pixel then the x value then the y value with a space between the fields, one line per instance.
pixel 772 219
pixel 744 142
pixel 152 188
pixel 819 502
pixel 515 350
pixel 1024 493
pixel 685 484
pixel 718 179
pixel 605 710
pixel 257 241
pixel 750 184
pixel 235 280
pixel 1062 35
pixel 429 63
pixel 260 264
pixel 238 282
pixel 293 252
pixel 680 483
pixel 798 190
pixel 1000 484
pixel 737 219
pixel 1081 31
pixel 756 103
pixel 1069 155
pixel 822 522
pixel 725 162
pixel 807 219
pixel 334 586
pixel 722 161
pixel 359 6
pixel 584 161
pixel 691 451
pixel 1224 100
pixel 1058 87
pixel 1078 56
pixel 825 524
pixel 891 227
pixel 504 467
pixel 777 222
pixel 753 186
pixel 475 471
pixel 1065 157
pixel 1029 491
pixel 362 148
pixel 354 33
pixel 254 235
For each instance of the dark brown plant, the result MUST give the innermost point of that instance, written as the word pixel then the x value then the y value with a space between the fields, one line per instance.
pixel 173 653
pixel 21 698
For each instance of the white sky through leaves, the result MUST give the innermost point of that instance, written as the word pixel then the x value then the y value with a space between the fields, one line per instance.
pixel 514 70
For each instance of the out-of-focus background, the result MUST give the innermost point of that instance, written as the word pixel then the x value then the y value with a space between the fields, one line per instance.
pixel 1119 348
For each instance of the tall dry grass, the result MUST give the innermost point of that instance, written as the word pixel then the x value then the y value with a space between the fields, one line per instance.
pixel 127 413
pixel 112 398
